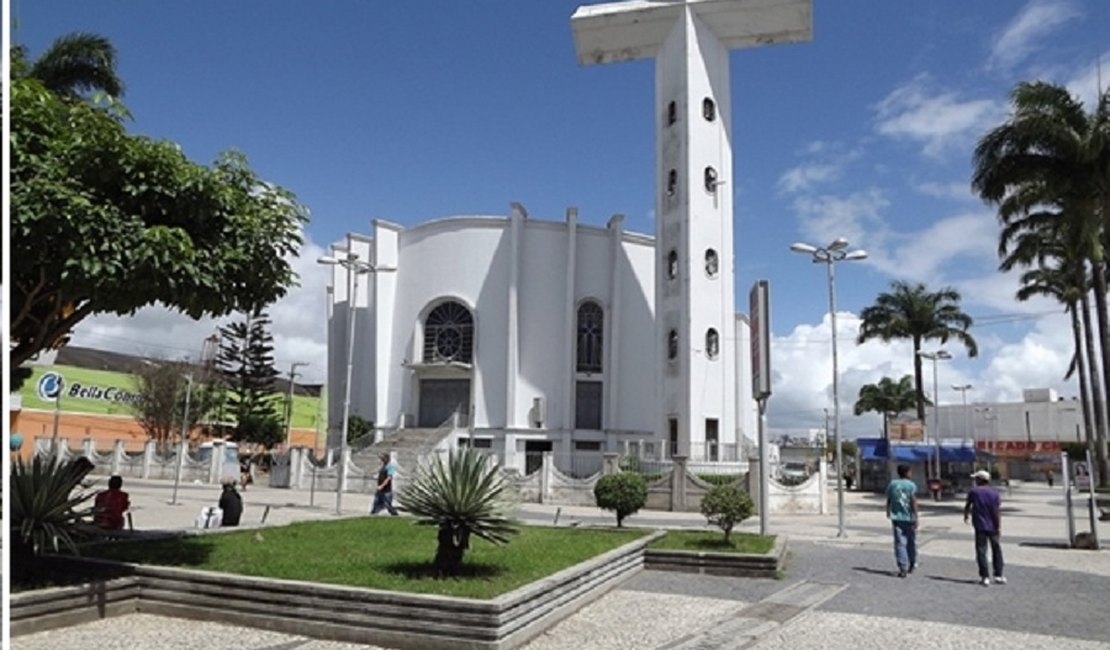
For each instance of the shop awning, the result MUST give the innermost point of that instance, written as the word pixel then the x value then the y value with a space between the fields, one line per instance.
pixel 876 449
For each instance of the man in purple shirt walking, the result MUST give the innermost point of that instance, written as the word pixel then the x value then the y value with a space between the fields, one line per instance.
pixel 984 507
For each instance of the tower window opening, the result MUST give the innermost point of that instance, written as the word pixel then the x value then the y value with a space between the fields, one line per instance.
pixel 672 345
pixel 672 265
pixel 710 179
pixel 712 343
pixel 712 264
pixel 672 182
pixel 672 113
pixel 708 109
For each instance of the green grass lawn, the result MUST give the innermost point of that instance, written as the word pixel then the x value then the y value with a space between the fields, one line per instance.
pixel 391 553
pixel 714 540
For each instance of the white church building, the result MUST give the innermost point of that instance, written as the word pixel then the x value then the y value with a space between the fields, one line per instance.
pixel 536 335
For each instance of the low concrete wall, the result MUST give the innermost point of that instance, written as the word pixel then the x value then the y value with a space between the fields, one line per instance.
pixel 332 612
pixel 725 564
pixel 47 609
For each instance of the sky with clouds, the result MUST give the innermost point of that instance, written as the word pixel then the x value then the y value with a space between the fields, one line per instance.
pixel 423 109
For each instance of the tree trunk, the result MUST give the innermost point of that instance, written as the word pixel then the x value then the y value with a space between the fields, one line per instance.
pixel 449 553
pixel 1104 345
pixel 1097 397
pixel 1081 370
pixel 917 381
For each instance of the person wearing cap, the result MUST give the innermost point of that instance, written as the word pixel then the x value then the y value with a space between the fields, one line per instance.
pixel 901 509
pixel 984 508
pixel 383 498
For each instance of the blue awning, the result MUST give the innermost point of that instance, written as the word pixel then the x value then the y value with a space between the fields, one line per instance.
pixel 876 449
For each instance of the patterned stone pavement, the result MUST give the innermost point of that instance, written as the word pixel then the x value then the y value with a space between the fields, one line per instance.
pixel 837 592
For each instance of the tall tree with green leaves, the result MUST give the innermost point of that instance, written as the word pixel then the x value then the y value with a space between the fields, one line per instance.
pixel 888 398
pixel 246 363
pixel 911 311
pixel 1047 168
pixel 75 65
pixel 103 221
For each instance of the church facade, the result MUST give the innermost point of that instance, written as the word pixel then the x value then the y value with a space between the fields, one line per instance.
pixel 545 336
pixel 526 335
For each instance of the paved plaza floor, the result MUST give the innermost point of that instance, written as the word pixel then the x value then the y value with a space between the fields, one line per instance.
pixel 1056 597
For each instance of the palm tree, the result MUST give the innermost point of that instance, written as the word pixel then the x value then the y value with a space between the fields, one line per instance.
pixel 75 64
pixel 462 497
pixel 1054 280
pixel 913 312
pixel 1048 168
pixel 887 398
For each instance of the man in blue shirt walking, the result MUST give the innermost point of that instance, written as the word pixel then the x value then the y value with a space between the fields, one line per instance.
pixel 984 507
pixel 901 509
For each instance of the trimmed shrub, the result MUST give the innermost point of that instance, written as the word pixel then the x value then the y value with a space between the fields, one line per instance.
pixel 624 493
pixel 725 506
pixel 720 479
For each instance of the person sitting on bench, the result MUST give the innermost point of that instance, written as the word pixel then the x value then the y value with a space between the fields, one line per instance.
pixel 110 505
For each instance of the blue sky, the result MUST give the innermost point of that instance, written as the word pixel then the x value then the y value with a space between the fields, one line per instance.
pixel 416 110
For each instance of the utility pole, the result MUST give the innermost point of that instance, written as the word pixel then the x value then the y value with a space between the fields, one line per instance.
pixel 289 402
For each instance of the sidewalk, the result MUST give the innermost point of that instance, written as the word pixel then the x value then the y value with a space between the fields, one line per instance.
pixel 1056 596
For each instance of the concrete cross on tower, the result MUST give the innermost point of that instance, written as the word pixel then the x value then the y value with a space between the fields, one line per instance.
pixel 694 304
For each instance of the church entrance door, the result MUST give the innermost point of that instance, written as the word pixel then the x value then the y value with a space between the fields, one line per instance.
pixel 440 399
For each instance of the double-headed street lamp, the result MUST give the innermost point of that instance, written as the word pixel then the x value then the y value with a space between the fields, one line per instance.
pixel 938 355
pixel 963 388
pixel 355 268
pixel 837 251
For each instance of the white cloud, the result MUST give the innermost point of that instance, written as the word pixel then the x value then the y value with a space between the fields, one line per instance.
pixel 801 361
pixel 1039 360
pixel 954 191
pixel 826 161
pixel 299 327
pixel 922 112
pixel 805 176
pixel 926 255
pixel 1085 83
pixel 1022 36
pixel 826 217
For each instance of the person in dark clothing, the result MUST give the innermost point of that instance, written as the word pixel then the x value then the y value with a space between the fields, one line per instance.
pixel 231 504
pixel 984 508
pixel 383 498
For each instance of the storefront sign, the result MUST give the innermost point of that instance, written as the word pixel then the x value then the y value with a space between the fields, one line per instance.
pixel 105 393
pixel 1019 447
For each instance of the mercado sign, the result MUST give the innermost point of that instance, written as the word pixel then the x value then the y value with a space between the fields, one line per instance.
pixel 1019 447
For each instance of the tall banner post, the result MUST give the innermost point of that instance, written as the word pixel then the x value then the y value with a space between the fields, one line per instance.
pixel 759 310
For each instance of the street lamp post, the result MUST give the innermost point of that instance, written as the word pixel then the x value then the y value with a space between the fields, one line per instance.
pixel 289 423
pixel 963 388
pixel 829 255
pixel 939 355
pixel 184 433
pixel 354 268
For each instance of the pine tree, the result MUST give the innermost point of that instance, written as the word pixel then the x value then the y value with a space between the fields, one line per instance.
pixel 246 363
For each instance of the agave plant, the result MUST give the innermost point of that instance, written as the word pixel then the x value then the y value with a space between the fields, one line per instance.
pixel 48 505
pixel 463 496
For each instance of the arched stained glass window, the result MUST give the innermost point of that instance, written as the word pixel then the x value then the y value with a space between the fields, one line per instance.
pixel 449 334
pixel 591 323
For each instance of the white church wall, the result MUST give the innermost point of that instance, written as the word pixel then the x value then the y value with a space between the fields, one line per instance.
pixel 543 366
pixel 637 404
pixel 464 259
